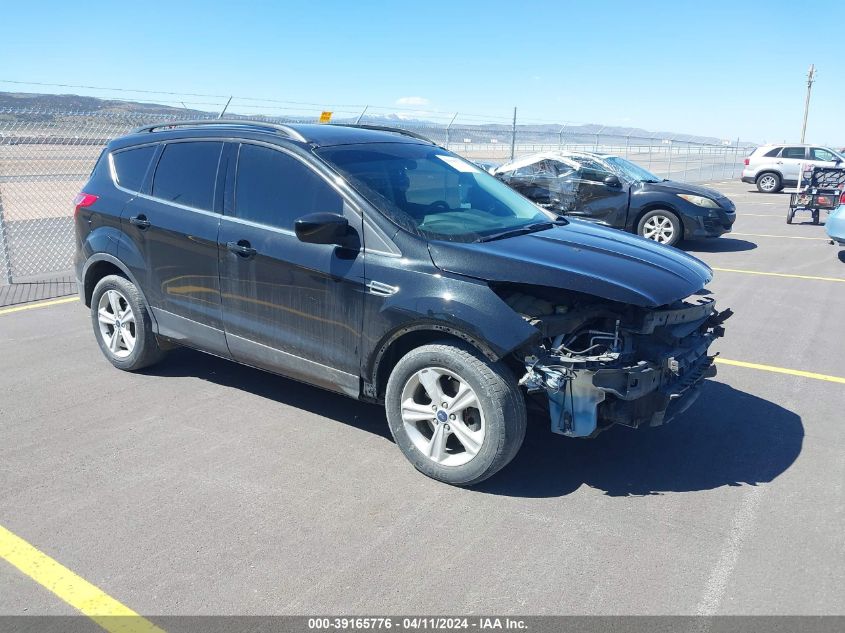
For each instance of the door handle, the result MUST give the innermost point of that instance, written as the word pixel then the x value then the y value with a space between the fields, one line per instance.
pixel 140 221
pixel 241 248
pixel 780 162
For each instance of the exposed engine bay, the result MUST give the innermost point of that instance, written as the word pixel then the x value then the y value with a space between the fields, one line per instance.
pixel 601 363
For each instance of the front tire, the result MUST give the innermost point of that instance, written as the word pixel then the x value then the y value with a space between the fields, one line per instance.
pixel 769 183
pixel 122 325
pixel 457 417
pixel 660 226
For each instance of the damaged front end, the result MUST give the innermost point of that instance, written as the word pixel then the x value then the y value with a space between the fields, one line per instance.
pixel 601 363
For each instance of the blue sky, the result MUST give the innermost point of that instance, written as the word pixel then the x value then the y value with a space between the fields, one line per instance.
pixel 722 68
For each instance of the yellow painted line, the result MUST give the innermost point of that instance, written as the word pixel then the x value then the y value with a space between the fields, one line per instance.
pixel 76 591
pixel 757 272
pixel 781 370
pixel 40 304
pixel 785 237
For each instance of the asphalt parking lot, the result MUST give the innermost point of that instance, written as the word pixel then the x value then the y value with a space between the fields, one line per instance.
pixel 203 487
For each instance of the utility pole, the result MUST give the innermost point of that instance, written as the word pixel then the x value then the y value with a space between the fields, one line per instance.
pixel 811 77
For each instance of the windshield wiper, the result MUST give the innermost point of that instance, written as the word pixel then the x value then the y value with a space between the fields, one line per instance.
pixel 522 230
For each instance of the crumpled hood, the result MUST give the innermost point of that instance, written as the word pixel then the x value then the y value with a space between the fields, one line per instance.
pixel 583 257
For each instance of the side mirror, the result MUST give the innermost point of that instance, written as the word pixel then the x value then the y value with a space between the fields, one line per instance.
pixel 323 228
pixel 612 181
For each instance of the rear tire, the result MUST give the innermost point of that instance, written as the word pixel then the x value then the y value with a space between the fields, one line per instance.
pixel 769 182
pixel 122 325
pixel 816 216
pixel 480 429
pixel 790 213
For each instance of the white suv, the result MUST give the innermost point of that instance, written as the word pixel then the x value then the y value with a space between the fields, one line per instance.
pixel 773 167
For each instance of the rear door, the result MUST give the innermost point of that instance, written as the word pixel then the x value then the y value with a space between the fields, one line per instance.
pixel 288 306
pixel 823 157
pixel 790 161
pixel 174 225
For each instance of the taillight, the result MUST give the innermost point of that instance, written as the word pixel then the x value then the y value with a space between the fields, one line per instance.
pixel 83 200
pixel 842 198
pixel 747 161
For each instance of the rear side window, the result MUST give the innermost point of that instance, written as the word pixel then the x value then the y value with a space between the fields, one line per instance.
pixel 793 152
pixel 130 166
pixel 186 174
pixel 773 152
pixel 276 189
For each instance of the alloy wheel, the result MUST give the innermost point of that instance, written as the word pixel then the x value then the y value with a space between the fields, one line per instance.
pixel 442 416
pixel 659 228
pixel 768 183
pixel 117 323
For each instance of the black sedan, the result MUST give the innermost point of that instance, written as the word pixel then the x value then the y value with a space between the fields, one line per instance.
pixel 615 192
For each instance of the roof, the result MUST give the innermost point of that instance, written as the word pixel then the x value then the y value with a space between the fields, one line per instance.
pixel 310 134
pixel 558 155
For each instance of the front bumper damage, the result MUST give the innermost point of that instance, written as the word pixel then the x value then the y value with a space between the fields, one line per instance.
pixel 649 368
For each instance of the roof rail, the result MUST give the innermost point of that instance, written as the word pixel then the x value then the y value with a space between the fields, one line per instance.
pixel 386 128
pixel 284 129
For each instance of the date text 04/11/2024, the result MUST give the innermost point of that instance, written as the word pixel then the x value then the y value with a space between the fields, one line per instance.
pixel 415 623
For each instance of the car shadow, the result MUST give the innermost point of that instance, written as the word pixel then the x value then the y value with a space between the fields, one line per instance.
pixel 726 438
pixel 718 245
pixel 188 362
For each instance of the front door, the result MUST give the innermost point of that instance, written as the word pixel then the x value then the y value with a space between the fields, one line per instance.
pixel 789 162
pixel 597 201
pixel 288 306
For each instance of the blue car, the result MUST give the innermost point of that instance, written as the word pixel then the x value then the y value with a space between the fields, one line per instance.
pixel 835 224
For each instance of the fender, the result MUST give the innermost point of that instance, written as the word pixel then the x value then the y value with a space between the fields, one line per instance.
pixel 106 257
pixel 460 321
pixel 644 202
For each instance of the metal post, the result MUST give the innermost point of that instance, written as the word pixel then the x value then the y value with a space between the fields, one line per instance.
pixel 811 77
pixel 736 158
pixel 361 116
pixel 669 172
pixel 5 257
pixel 627 144
pixel 449 130
pixel 513 135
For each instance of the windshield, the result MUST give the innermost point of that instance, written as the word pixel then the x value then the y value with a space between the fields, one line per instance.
pixel 434 193
pixel 629 170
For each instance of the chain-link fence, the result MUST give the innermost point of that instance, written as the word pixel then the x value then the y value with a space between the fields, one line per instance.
pixel 46 157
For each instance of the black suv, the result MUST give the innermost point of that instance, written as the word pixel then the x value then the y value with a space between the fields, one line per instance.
pixel 373 263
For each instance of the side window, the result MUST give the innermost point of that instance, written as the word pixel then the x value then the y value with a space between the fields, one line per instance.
pixel 527 171
pixel 773 152
pixel 274 188
pixel 817 153
pixel 593 175
pixel 563 170
pixel 130 166
pixel 793 152
pixel 187 172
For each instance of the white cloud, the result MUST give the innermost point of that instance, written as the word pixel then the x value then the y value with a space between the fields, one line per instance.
pixel 412 101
